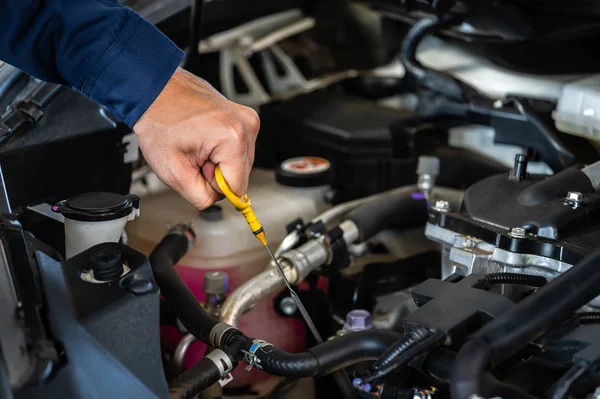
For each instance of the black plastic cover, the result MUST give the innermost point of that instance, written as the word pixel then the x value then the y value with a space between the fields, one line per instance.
pixel 95 207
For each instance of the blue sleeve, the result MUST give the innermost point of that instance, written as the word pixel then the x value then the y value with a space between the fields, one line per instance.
pixel 98 47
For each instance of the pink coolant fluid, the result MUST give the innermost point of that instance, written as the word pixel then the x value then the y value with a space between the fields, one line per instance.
pixel 261 322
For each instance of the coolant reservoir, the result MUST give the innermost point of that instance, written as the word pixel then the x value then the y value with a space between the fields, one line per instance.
pixel 225 243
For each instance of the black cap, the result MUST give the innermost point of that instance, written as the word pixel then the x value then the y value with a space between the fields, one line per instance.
pixel 305 172
pixel 107 265
pixel 96 207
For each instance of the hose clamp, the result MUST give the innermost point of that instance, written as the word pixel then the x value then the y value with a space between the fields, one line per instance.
pixel 250 355
pixel 216 334
pixel 224 365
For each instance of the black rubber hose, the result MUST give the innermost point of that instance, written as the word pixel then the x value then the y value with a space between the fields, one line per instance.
pixel 327 357
pixel 404 358
pixel 527 320
pixel 434 80
pixel 440 364
pixel 183 303
pixel 589 318
pixel 516 278
pixel 410 339
pixel 404 206
pixel 196 379
pixel 561 389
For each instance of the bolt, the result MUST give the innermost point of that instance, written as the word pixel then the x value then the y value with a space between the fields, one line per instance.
pixel 574 196
pixel 288 306
pixel 358 320
pixel 518 232
pixel 441 206
pixel 138 286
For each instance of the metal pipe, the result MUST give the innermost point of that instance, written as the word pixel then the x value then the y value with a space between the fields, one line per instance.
pixel 296 265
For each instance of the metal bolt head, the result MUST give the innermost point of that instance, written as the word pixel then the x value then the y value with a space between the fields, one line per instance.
pixel 358 320
pixel 518 232
pixel 574 196
pixel 441 206
pixel 288 306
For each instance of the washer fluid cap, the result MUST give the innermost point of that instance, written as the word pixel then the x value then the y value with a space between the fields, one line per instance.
pixel 97 207
pixel 305 172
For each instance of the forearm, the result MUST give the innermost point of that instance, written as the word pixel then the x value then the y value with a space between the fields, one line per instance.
pixel 98 47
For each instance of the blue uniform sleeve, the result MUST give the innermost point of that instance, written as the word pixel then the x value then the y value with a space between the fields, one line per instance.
pixel 98 47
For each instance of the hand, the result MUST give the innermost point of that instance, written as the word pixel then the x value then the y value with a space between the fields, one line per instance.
pixel 188 130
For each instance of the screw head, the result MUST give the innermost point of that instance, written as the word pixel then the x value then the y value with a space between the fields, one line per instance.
pixel 288 306
pixel 358 320
pixel 441 206
pixel 518 232
pixel 574 196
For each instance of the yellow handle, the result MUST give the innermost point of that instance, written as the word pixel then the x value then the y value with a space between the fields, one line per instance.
pixel 242 204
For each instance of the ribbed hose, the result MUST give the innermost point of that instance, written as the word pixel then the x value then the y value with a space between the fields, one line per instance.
pixel 589 318
pixel 411 41
pixel 199 377
pixel 524 322
pixel 433 80
pixel 516 278
pixel 410 339
pixel 404 358
pixel 325 358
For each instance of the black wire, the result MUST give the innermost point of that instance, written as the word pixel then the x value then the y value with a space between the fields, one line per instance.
pixel 562 387
pixel 197 16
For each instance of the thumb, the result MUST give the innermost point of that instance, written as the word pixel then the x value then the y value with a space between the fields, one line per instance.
pixel 193 186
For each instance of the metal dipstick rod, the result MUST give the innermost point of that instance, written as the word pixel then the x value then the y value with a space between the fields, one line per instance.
pixel 243 204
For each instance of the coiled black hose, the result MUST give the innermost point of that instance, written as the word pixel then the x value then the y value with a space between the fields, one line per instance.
pixel 527 320
pixel 516 278
pixel 410 339
pixel 433 80
pixel 405 357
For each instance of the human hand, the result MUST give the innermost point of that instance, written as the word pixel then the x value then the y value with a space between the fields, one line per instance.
pixel 188 130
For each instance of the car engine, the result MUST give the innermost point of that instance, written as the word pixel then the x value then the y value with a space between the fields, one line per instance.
pixel 428 175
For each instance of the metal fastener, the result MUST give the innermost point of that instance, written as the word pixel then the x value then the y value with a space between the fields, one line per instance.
pixel 441 206
pixel 574 199
pixel 574 196
pixel 518 232
pixel 288 306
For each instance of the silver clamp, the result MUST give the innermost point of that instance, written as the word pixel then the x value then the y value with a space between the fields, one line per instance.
pixel 250 355
pixel 224 365
pixel 216 334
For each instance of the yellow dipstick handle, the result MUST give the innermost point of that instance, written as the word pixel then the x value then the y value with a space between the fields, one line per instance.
pixel 242 204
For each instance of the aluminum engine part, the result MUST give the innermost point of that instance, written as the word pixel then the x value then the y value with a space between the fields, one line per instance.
pixel 466 255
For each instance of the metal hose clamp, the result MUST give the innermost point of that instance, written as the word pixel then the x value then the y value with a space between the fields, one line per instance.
pixel 250 356
pixel 216 334
pixel 224 365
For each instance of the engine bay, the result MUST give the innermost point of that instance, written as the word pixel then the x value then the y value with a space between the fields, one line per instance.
pixel 427 173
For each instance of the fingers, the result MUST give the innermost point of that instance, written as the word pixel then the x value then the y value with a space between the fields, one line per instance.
pixel 251 122
pixel 186 178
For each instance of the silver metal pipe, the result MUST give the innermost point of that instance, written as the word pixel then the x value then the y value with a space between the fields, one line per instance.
pixel 296 264
pixel 253 290
pixel 181 350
